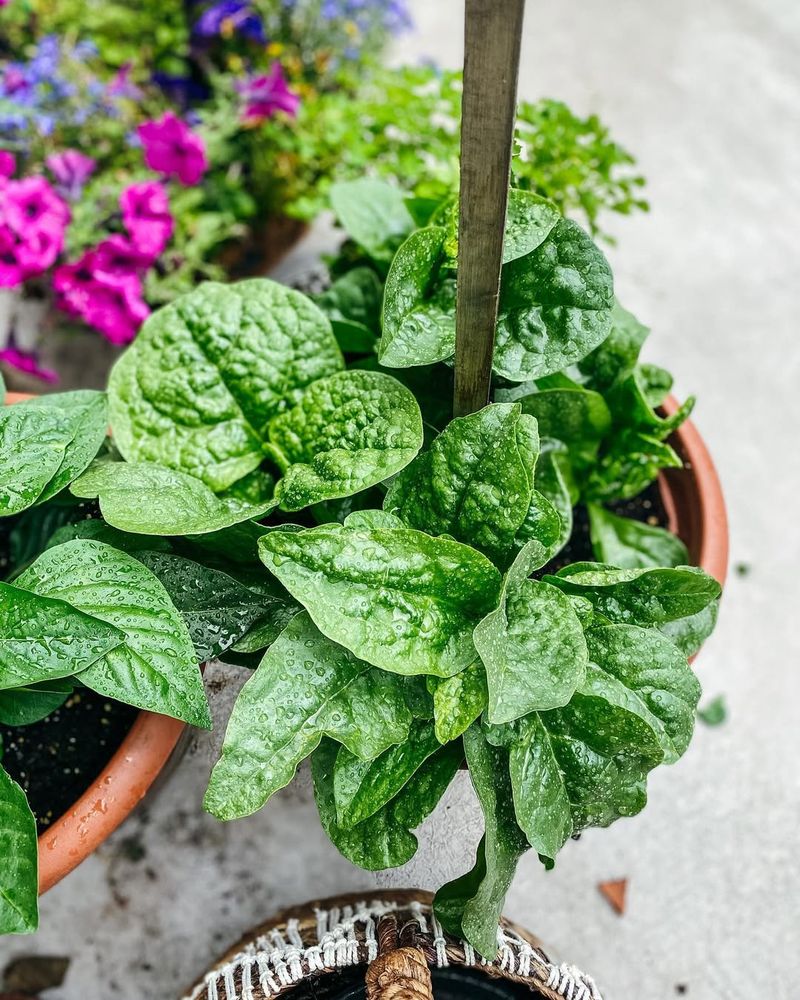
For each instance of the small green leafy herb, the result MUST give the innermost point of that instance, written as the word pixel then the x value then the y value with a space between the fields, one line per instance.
pixel 715 712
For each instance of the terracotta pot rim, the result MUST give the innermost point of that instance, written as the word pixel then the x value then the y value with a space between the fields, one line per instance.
pixel 706 519
pixel 113 794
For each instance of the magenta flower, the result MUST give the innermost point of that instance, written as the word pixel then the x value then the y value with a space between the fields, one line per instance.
pixel 38 250
pixel 116 308
pixel 146 215
pixel 31 205
pixel 171 148
pixel 111 303
pixel 25 361
pixel 71 170
pixel 118 257
pixel 73 284
pixel 12 273
pixel 8 163
pixel 264 95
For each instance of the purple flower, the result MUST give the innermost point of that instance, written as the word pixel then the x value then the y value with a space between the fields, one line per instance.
pixel 121 84
pixel 8 163
pixel 146 216
pixel 71 170
pixel 171 148
pixel 229 16
pixel 264 95
pixel 26 361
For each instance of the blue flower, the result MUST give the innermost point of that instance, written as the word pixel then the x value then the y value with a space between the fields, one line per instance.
pixel 230 15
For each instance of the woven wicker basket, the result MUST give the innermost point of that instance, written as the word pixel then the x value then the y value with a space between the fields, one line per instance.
pixel 392 945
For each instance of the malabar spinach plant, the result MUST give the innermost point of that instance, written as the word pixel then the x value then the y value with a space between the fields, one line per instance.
pixel 284 488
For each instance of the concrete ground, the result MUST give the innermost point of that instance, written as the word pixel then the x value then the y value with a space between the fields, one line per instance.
pixel 708 97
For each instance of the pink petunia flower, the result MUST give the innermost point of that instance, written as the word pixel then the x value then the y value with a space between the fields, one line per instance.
pixel 117 256
pixel 266 94
pixel 30 205
pixel 12 273
pixel 23 257
pixel 38 250
pixel 8 163
pixel 73 284
pixel 146 215
pixel 171 148
pixel 71 170
pixel 116 308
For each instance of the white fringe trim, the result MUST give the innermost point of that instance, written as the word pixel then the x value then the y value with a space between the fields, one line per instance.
pixel 275 961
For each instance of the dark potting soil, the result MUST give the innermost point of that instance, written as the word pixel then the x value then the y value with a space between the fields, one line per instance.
pixel 647 507
pixel 452 983
pixel 56 760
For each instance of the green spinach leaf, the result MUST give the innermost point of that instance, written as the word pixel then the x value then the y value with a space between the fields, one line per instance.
pixel 398 598
pixel 33 442
pixel 458 701
pixel 149 499
pixel 86 417
pixel 373 213
pixel 661 687
pixel 470 906
pixel 305 687
pixel 614 360
pixel 217 610
pixel 23 706
pixel 347 433
pixel 154 667
pixel 384 840
pixel 529 221
pixel 42 637
pixel 19 882
pixel 555 305
pixel 418 317
pixel 474 482
pixel 362 787
pixel 577 416
pixel 629 544
pixel 198 387
pixel 639 596
pixel 532 644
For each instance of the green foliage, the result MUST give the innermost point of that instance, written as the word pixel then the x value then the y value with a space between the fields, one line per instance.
pixel 19 894
pixel 409 614
pixel 402 125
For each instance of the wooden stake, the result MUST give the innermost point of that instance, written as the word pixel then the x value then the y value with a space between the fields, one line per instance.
pixel 492 32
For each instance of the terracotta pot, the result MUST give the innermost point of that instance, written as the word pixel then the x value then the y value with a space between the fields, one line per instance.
pixel 693 500
pixel 113 795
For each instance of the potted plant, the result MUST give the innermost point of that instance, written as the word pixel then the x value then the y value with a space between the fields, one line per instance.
pixel 403 604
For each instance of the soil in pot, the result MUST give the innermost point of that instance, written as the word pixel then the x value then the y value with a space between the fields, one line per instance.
pixel 448 984
pixel 56 760
pixel 647 507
